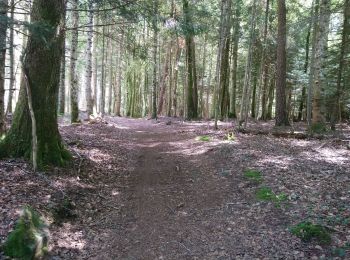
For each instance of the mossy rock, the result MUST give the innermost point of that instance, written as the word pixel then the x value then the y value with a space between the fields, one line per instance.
pixel 29 238
pixel 307 231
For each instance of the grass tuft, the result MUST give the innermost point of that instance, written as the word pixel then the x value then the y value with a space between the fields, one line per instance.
pixel 307 231
pixel 203 138
pixel 253 175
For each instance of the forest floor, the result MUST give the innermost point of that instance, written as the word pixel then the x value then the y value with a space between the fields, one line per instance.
pixel 154 190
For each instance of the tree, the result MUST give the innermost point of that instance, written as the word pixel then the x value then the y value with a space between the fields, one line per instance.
pixel 12 59
pixel 344 50
pixel 281 110
pixel 319 79
pixel 73 64
pixel 155 60
pixel 192 92
pixel 43 76
pixel 247 77
pixel 88 72
pixel 3 29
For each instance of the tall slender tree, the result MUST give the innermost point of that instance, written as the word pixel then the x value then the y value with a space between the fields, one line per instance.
pixel 3 29
pixel 319 79
pixel 281 109
pixel 88 72
pixel 12 59
pixel 73 64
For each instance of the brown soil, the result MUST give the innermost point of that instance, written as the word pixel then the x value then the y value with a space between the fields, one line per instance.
pixel 148 190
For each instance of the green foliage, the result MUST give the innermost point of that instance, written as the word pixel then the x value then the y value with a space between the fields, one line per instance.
pixel 29 238
pixel 203 138
pixel 253 175
pixel 266 194
pixel 307 231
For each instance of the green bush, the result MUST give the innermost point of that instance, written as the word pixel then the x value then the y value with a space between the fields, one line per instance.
pixel 29 238
pixel 307 231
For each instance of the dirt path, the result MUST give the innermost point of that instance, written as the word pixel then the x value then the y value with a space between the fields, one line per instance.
pixel 147 190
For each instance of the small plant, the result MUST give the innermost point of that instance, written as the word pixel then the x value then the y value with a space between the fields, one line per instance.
pixel 29 238
pixel 266 194
pixel 230 137
pixel 203 138
pixel 253 175
pixel 307 231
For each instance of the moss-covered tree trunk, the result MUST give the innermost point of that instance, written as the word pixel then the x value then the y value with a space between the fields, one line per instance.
pixel 41 65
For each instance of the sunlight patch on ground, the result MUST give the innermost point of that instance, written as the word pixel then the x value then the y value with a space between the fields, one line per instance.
pixel 197 147
pixel 98 156
pixel 68 239
pixel 334 156
pixel 281 161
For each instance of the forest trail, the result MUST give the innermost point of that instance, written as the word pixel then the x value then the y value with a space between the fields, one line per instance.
pixel 151 190
pixel 163 194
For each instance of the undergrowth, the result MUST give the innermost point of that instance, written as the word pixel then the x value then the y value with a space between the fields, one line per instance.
pixel 308 231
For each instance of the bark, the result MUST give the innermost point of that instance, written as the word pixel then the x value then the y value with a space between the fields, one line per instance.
pixel 319 82
pixel 234 72
pixel 43 78
pixel 12 60
pixel 224 61
pixel 247 78
pixel 95 65
pixel 344 50
pixel 73 64
pixel 306 67
pixel 155 60
pixel 88 72
pixel 175 77
pixel 315 8
pixel 3 29
pixel 281 74
pixel 163 82
pixel 192 92
pixel 62 89
pixel 264 65
pixel 118 87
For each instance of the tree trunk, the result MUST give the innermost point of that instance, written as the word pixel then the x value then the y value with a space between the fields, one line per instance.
pixel 88 72
pixel 234 72
pixel 3 29
pixel 118 87
pixel 344 50
pixel 247 78
pixel 306 66
pixel 62 88
pixel 264 65
pixel 192 93
pixel 319 81
pixel 12 60
pixel 103 73
pixel 43 77
pixel 155 60
pixel 281 109
pixel 73 64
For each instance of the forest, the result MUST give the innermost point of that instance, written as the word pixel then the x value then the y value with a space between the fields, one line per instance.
pixel 174 129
